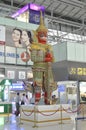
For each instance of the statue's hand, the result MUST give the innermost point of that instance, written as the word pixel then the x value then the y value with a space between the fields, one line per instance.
pixel 48 57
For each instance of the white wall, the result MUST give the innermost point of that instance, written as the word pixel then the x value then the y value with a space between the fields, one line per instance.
pixel 70 52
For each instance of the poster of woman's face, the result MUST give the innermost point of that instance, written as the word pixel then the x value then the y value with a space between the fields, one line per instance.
pixel 26 38
pixel 18 43
pixel 17 37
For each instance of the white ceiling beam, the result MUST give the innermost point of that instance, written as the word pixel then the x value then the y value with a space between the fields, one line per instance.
pixel 74 3
pixel 62 21
pixel 8 6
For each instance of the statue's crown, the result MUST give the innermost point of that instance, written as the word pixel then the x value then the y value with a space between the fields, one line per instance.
pixel 41 26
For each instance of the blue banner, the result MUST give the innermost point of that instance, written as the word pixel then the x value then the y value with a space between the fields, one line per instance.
pixel 34 16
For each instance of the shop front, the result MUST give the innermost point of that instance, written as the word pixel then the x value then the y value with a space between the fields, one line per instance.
pixel 5 104
pixel 71 81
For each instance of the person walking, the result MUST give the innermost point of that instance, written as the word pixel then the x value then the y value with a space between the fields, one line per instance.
pixel 27 100
pixel 17 100
pixel 23 99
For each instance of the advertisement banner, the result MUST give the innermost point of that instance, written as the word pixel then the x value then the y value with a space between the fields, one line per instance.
pixel 34 16
pixel 2 54
pixel 22 75
pixel 11 74
pixel 11 55
pixel 34 13
pixel 17 37
pixel 22 56
pixel 17 49
pixel 2 35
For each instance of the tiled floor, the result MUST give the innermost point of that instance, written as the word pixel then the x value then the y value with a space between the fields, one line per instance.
pixel 13 123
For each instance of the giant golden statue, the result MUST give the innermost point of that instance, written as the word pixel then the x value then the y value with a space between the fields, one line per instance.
pixel 42 57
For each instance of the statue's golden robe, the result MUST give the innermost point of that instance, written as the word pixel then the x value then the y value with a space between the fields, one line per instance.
pixel 42 71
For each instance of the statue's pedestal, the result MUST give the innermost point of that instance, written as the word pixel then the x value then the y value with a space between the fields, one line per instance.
pixel 45 115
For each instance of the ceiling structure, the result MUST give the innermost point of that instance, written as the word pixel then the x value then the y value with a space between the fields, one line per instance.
pixel 65 12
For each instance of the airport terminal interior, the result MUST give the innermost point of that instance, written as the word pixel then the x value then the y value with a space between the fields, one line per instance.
pixel 42 64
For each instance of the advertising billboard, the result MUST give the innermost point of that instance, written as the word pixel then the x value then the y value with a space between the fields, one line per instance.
pixel 2 35
pixel 82 90
pixel 16 47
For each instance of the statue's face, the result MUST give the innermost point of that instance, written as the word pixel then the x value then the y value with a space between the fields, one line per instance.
pixel 42 37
